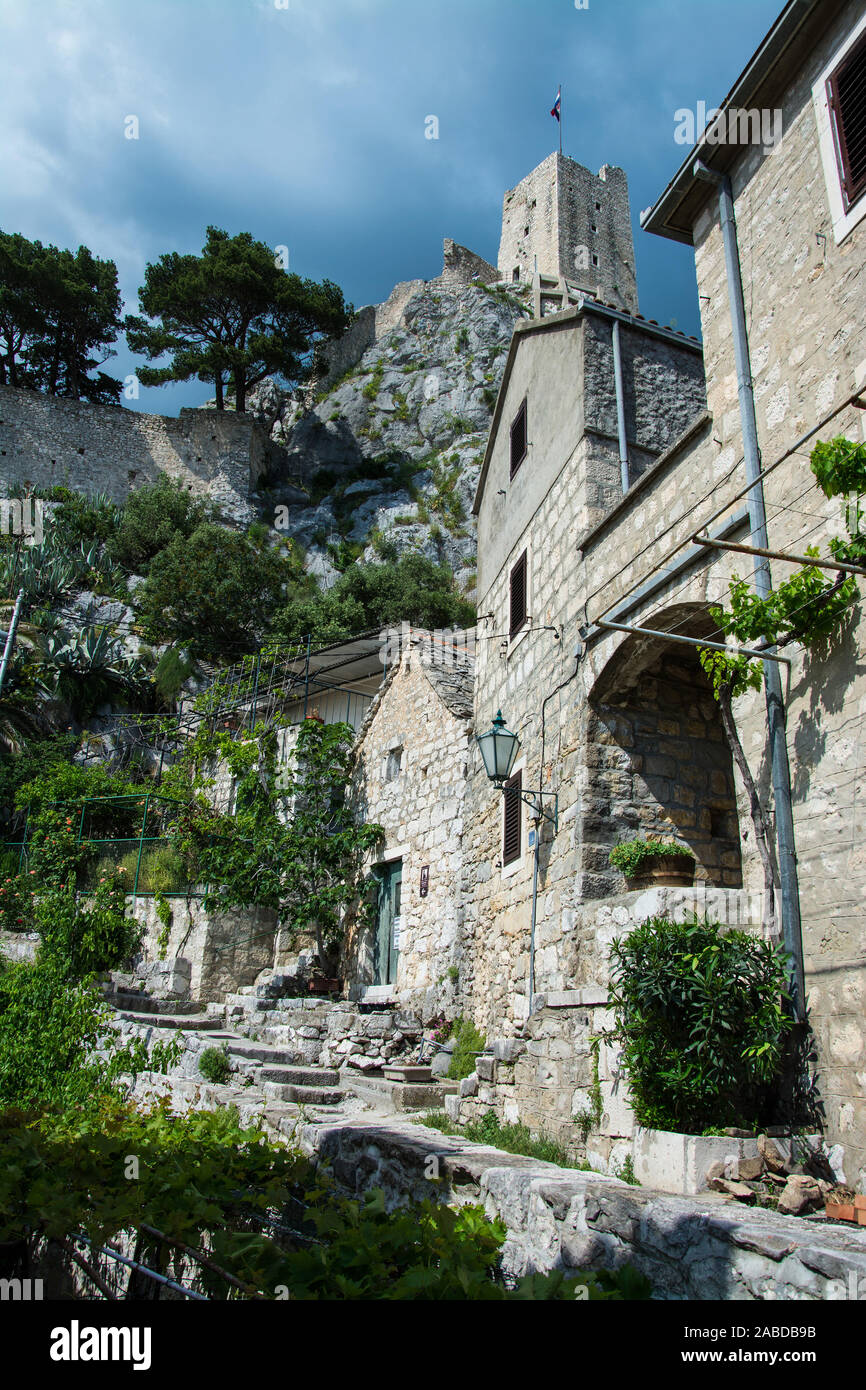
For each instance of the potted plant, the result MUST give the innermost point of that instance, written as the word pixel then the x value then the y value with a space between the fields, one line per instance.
pixel 654 861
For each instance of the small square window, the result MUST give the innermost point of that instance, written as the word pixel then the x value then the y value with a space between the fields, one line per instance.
pixel 519 439
pixel 518 596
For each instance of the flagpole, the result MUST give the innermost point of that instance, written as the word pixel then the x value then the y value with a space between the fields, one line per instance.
pixel 560 118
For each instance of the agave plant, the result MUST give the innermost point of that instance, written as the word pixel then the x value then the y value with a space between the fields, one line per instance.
pixel 90 666
pixel 46 572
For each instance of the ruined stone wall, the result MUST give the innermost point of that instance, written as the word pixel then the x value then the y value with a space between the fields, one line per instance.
pixel 410 778
pixel 221 951
pixel 47 442
pixel 461 266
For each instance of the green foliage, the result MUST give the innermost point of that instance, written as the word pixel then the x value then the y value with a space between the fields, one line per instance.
pixel 81 519
pixel 625 1171
pixel 468 1042
pixel 513 1139
pixel 267 322
pixel 308 865
pixel 213 591
pixel 172 670
pixel 214 1065
pixel 372 388
pixel 411 589
pixel 632 857
pixel 804 607
pixel 699 1015
pixel 153 517
pixel 51 1022
pixel 59 311
pixel 190 1174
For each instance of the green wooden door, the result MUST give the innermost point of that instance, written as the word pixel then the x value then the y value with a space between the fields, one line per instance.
pixel 386 946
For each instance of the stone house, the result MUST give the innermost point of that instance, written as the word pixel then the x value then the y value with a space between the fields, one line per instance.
pixel 409 776
pixel 610 455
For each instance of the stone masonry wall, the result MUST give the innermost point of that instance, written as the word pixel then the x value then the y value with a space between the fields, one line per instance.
pixel 46 442
pixel 410 777
pixel 576 224
pixel 807 339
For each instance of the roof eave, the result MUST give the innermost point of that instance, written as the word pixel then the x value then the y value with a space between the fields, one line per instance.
pixel 674 213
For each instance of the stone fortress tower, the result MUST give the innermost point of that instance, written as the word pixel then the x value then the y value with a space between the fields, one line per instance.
pixel 567 231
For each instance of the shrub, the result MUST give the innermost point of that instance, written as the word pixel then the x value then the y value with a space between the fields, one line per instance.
pixel 154 516
pixel 633 856
pixel 214 1065
pixel 699 1015
pixel 468 1042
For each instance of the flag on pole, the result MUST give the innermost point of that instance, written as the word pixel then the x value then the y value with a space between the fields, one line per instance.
pixel 557 105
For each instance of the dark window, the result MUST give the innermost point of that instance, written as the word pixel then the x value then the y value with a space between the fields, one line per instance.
pixel 518 439
pixel 518 613
pixel 515 274
pixel 511 819
pixel 847 95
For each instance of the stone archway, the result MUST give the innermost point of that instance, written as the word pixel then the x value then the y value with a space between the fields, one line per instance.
pixel 657 758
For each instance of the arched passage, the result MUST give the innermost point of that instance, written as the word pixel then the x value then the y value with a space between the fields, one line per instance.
pixel 657 756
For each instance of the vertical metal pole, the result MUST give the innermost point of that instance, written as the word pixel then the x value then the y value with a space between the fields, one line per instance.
pixel 255 692
pixel 620 407
pixel 537 824
pixel 781 773
pixel 307 676
pixel 140 846
pixel 10 637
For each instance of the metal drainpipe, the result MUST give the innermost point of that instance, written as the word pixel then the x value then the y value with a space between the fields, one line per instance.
pixel 620 407
pixel 781 773
pixel 536 820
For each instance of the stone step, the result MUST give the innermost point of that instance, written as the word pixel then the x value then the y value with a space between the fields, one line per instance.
pixel 303 1095
pixel 133 1002
pixel 197 1023
pixel 300 1076
pixel 262 1052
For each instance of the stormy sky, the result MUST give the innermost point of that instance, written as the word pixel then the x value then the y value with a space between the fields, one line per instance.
pixel 304 122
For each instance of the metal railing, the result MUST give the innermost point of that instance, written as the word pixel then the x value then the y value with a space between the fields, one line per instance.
pixel 136 843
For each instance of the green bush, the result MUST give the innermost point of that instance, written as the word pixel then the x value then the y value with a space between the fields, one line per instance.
pixel 700 1018
pixel 214 1065
pixel 513 1139
pixel 468 1042
pixel 152 518
pixel 633 856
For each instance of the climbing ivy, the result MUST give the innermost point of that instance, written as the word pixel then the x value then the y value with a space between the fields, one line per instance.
pixel 803 608
pixel 293 843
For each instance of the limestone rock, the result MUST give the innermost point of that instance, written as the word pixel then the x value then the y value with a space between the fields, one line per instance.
pixel 799 1192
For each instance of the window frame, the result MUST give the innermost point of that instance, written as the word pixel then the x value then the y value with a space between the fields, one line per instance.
pixel 514 783
pixel 514 630
pixel 845 217
pixel 850 199
pixel 521 415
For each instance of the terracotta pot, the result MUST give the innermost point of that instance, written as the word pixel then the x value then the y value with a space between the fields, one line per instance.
pixel 667 871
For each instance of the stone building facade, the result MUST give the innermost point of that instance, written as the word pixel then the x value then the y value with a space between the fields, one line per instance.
pixel 621 724
pixel 409 776
pixel 46 442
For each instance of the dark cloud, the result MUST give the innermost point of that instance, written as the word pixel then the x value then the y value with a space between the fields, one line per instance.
pixel 305 125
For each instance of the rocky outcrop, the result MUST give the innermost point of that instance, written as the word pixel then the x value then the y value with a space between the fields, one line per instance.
pixel 387 458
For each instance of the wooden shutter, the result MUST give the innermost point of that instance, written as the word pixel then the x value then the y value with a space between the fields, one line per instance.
pixel 518 439
pixel 512 817
pixel 518 613
pixel 847 95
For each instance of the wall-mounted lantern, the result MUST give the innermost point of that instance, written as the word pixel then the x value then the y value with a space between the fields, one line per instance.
pixel 499 750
